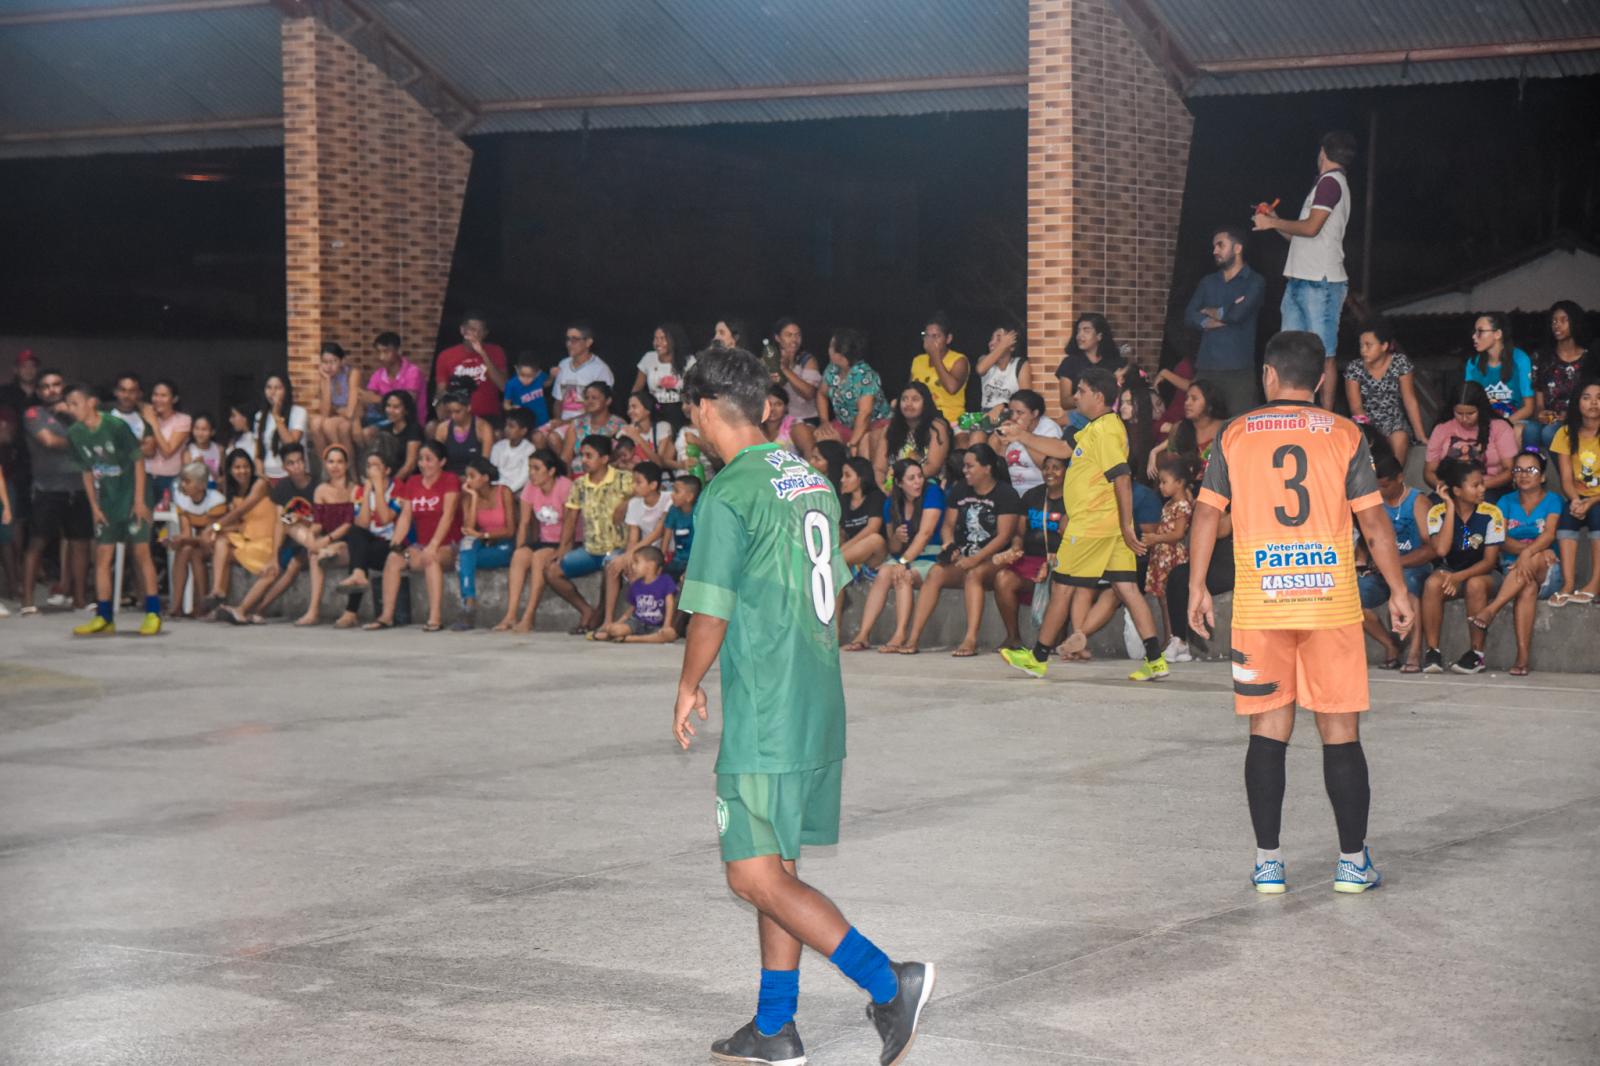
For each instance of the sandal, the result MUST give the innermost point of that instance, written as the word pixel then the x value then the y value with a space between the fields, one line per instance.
pixel 1411 668
pixel 502 626
pixel 1583 596
pixel 432 627
pixel 1560 599
pixel 377 624
pixel 232 616
pixel 888 649
pixel 307 620
pixel 856 645
pixel 347 620
pixel 1518 671
pixel 1392 663
pixel 964 652
pixel 1477 623
pixel 910 649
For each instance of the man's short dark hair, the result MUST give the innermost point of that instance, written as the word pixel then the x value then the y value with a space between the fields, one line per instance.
pixel 1297 356
pixel 1340 147
pixel 938 318
pixel 651 553
pixel 50 370
pixel 387 339
pixel 293 448
pixel 583 327
pixel 649 471
pixel 82 388
pixel 1099 379
pixel 599 442
pixel 1387 467
pixel 732 378
pixel 472 314
pixel 128 375
pixel 689 481
pixel 1234 231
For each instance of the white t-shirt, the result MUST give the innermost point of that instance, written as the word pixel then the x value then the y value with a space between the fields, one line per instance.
pixel 1025 472
pixel 271 464
pixel 512 462
pixel 799 406
pixel 659 377
pixel 566 392
pixel 646 516
pixel 999 383
pixel 208 503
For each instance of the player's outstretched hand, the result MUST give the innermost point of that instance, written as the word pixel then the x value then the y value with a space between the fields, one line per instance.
pixel 1201 617
pixel 688 702
pixel 1402 613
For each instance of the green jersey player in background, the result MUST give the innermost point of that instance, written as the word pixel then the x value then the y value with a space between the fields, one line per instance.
pixel 761 585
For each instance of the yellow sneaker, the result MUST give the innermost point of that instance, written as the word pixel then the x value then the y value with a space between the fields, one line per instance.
pixel 1151 670
pixel 150 626
pixel 94 627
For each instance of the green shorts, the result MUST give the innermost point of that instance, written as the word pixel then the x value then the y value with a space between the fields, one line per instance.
pixel 122 530
pixel 774 814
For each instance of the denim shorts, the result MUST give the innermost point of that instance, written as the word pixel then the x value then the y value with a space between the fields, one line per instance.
pixel 1570 527
pixel 578 562
pixel 1314 306
pixel 1374 590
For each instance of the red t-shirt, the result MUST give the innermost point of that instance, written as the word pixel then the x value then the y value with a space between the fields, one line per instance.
pixel 462 362
pixel 427 506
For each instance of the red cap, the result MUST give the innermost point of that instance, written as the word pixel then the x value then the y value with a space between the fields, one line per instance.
pixel 26 356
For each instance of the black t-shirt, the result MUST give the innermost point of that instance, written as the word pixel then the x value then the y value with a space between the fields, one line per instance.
pixel 978 514
pixel 1041 522
pixel 392 446
pixel 285 493
pixel 853 520
pixel 1075 364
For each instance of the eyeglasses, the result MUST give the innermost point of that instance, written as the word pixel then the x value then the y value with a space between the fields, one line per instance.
pixel 1525 470
pixel 1481 332
pixel 574 339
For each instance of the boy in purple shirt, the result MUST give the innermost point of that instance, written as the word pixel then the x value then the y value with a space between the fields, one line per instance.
pixel 651 600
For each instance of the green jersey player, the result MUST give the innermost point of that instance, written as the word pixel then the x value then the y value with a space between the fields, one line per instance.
pixel 762 586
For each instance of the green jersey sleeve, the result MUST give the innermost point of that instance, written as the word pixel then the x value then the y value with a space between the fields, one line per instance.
pixel 722 542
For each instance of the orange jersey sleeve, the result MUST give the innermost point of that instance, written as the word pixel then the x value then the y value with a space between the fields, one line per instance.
pixel 1293 475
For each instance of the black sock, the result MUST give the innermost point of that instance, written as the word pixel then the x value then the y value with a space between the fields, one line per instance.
pixel 1263 786
pixel 1041 653
pixel 1344 770
pixel 1152 650
pixel 352 602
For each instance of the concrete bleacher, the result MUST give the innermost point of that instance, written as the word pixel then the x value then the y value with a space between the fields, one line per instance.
pixel 1566 639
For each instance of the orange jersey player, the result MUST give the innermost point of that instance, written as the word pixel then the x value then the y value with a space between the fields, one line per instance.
pixel 1293 475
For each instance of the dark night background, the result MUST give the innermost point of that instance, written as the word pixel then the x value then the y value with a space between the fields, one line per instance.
pixel 866 222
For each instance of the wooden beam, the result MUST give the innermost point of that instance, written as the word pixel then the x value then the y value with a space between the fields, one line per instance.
pixel 86 14
pixel 752 93
pixel 152 129
pixel 1508 50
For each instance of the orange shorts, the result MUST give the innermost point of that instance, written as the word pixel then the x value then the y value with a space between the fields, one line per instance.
pixel 1323 670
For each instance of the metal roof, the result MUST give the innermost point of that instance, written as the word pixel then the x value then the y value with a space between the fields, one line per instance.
pixel 70 84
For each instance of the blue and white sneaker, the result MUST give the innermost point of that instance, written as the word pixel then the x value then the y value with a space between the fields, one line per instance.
pixel 1348 877
pixel 1268 877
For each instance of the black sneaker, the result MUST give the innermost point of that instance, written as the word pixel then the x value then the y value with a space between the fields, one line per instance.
pixel 897 1020
pixel 1433 661
pixel 782 1048
pixel 1470 663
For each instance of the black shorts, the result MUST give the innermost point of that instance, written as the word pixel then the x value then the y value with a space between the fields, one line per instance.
pixel 61 514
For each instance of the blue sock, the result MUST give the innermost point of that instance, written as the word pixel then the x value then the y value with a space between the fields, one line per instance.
pixel 861 960
pixel 152 605
pixel 103 607
pixel 780 995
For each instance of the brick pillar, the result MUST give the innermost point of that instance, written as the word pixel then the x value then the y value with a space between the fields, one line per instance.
pixel 1108 148
pixel 373 187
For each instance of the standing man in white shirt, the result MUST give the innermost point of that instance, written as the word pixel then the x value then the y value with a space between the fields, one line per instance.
pixel 1316 279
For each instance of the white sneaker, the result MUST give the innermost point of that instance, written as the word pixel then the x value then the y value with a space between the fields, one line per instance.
pixel 58 599
pixel 1177 652
pixel 4 611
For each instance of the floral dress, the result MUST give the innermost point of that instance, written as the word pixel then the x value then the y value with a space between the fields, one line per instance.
pixel 1380 397
pixel 1163 557
pixel 846 387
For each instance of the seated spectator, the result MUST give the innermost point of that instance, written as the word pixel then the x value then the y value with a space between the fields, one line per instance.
pixel 279 423
pixel 1408 514
pixel 914 517
pixel 1467 534
pixel 980 522
pixel 399 438
pixel 198 506
pixel 1577 451
pixel 528 390
pixel 623 455
pixel 650 603
pixel 337 414
pixel 730 333
pixel 170 430
pixel 916 430
pixel 246 534
pixel 488 533
pixel 661 372
pixel 394 371
pixel 941 369
pixel 1473 433
pixel 852 400
pixel 1557 371
pixel 1091 345
pixel 573 375
pixel 1529 570
pixel 376 510
pixel 642 522
pixel 1505 372
pixel 828 458
pixel 1169 544
pixel 1381 386
pixel 333 516
pixel 797 373
pixel 510 456
pixel 600 498
pixel 238 435
pixel 463 435
pixel 678 541
pixel 1003 371
pixel 425 535
pixel 1025 410
pixel 203 447
pixel 650 433
pixel 779 423
pixel 1177 379
pixel 1136 407
pixel 861 539
pixel 1203 416
pixel 291 495
pixel 543 504
pixel 1024 574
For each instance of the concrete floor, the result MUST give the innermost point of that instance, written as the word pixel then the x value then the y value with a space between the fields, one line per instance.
pixel 277 846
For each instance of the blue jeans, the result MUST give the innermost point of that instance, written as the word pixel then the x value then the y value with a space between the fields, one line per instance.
pixel 477 557
pixel 1536 436
pixel 578 562
pixel 1314 306
pixel 1374 590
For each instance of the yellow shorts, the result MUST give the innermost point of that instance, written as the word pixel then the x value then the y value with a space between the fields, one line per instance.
pixel 1085 561
pixel 1323 670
